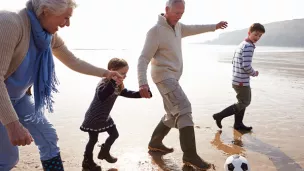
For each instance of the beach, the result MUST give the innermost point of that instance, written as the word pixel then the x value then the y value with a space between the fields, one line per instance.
pixel 276 112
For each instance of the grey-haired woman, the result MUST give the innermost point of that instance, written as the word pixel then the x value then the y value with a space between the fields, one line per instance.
pixel 28 41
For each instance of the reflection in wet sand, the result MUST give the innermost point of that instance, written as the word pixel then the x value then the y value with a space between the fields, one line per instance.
pixel 162 163
pixel 276 113
pixel 166 164
pixel 281 161
pixel 235 148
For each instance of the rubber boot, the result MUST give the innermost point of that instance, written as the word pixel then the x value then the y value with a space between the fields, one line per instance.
pixel 238 121
pixel 88 163
pixel 105 154
pixel 188 145
pixel 158 135
pixel 218 117
pixel 53 164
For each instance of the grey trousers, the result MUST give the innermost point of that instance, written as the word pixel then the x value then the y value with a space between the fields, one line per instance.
pixel 243 95
pixel 177 106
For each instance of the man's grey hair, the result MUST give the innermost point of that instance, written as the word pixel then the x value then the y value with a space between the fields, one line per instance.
pixel 56 7
pixel 170 3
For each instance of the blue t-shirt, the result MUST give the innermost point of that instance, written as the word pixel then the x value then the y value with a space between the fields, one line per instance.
pixel 19 82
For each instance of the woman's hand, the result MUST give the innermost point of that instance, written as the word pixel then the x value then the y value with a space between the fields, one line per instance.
pixel 113 75
pixel 18 135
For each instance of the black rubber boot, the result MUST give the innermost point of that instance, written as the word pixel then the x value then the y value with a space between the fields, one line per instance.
pixel 218 117
pixel 238 121
pixel 88 163
pixel 53 164
pixel 105 154
pixel 188 145
pixel 158 135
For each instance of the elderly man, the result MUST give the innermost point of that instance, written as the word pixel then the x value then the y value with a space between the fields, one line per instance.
pixel 28 41
pixel 163 48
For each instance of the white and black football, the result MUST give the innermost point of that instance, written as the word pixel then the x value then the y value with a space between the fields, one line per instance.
pixel 236 163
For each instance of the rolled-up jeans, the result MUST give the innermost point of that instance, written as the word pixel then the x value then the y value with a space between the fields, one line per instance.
pixel 43 133
pixel 176 103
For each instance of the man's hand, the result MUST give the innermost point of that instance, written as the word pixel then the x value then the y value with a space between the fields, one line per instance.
pixel 18 135
pixel 256 73
pixel 144 91
pixel 113 74
pixel 222 25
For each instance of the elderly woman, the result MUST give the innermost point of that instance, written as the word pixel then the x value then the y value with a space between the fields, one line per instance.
pixel 28 41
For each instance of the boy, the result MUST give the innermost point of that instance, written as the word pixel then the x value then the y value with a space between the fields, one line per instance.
pixel 242 70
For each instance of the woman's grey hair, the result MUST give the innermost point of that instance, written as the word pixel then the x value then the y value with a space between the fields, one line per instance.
pixel 170 3
pixel 56 7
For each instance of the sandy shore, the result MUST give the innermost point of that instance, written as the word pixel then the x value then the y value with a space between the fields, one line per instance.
pixel 276 114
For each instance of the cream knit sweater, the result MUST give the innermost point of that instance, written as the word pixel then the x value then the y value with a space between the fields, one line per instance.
pixel 163 48
pixel 14 43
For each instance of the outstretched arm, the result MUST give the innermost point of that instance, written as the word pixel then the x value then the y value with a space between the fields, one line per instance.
pixel 60 50
pixel 132 94
pixel 188 30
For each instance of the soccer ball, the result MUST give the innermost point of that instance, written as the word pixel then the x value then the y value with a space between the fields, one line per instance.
pixel 236 163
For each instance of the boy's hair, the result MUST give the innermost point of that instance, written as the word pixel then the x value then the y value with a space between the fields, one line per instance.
pixel 257 27
pixel 116 64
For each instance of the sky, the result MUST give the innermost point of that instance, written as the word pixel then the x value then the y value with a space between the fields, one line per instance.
pixel 123 23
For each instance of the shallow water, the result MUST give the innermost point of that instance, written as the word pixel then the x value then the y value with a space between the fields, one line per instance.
pixel 276 113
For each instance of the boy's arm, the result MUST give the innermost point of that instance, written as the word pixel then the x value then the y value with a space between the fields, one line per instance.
pixel 149 50
pixel 247 59
pixel 105 90
pixel 188 30
pixel 131 94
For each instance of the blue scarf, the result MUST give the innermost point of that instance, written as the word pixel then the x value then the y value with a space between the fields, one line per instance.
pixel 45 80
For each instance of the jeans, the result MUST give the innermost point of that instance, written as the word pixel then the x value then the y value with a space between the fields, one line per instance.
pixel 44 135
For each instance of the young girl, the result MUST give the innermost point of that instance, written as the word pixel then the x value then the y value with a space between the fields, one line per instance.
pixel 98 119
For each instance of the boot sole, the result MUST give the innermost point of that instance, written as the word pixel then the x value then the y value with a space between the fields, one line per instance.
pixel 99 169
pixel 196 167
pixel 107 160
pixel 95 169
pixel 159 150
pixel 242 129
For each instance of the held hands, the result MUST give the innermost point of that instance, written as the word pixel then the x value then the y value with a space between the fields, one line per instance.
pixel 221 25
pixel 118 80
pixel 144 91
pixel 113 74
pixel 18 135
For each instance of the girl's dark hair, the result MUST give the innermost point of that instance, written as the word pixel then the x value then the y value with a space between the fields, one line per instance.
pixel 116 64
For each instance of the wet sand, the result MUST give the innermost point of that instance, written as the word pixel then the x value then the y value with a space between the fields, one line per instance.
pixel 276 114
